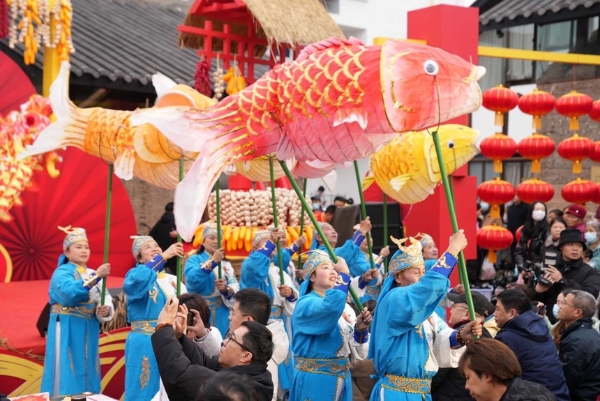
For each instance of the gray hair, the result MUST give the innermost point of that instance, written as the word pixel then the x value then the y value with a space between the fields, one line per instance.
pixel 594 224
pixel 583 300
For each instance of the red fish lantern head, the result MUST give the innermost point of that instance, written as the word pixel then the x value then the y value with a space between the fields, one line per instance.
pixel 494 238
pixel 536 147
pixel 500 100
pixel 498 147
pixel 574 105
pixel 496 192
pixel 537 104
pixel 535 189
pixel 579 191
pixel 576 148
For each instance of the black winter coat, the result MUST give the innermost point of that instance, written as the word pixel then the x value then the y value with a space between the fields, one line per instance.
pixel 530 248
pixel 184 367
pixel 527 335
pixel 580 357
pixel 576 275
pixel 522 390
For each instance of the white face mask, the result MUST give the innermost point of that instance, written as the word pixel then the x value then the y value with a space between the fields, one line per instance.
pixel 555 310
pixel 590 237
pixel 484 206
pixel 538 215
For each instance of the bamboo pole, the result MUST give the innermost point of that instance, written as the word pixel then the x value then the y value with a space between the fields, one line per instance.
pixel 179 240
pixel 363 210
pixel 107 228
pixel 276 220
pixel 219 245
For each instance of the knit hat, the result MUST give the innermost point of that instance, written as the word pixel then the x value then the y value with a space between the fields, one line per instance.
pixel 570 235
pixel 138 242
pixel 73 235
pixel 577 211
pixel 406 256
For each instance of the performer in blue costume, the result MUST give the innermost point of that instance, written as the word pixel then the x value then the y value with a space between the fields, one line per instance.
pixel 407 336
pixel 148 288
pixel 321 344
pixel 373 288
pixel 260 271
pixel 430 256
pixel 72 363
pixel 201 278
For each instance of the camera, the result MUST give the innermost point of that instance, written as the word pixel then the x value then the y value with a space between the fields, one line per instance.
pixel 190 319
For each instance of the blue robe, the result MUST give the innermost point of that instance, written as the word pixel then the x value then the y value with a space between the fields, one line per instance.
pixel 73 306
pixel 373 288
pixel 352 254
pixel 201 280
pixel 316 343
pixel 145 300
pixel 441 308
pixel 398 345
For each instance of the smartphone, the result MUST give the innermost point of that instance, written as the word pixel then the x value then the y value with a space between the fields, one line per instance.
pixel 190 319
pixel 542 310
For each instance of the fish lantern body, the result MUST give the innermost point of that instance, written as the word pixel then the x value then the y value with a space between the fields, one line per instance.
pixel 339 101
pixel 576 148
pixel 535 189
pixel 537 103
pixel 536 147
pixel 579 191
pixel 574 105
pixel 498 147
pixel 406 169
pixel 494 238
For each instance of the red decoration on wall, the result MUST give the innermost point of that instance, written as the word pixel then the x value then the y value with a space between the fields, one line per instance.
pixel 576 148
pixel 536 147
pixel 494 238
pixel 501 100
pixel 574 105
pixel 496 192
pixel 537 104
pixel 535 189
pixel 579 191
pixel 498 147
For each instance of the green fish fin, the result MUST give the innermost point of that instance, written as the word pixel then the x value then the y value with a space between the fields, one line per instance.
pixel 367 181
pixel 398 182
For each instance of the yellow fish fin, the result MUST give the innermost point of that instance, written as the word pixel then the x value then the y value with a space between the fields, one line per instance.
pixel 368 181
pixel 398 182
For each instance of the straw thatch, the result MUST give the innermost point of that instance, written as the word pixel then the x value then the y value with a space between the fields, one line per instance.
pixel 293 22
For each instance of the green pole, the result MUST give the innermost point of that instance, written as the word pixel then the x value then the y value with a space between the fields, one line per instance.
pixel 385 230
pixel 219 245
pixel 107 227
pixel 181 161
pixel 312 218
pixel 462 267
pixel 275 219
pixel 461 278
pixel 363 210
pixel 302 222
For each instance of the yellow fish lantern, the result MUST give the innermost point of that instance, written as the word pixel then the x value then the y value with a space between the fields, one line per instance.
pixel 407 168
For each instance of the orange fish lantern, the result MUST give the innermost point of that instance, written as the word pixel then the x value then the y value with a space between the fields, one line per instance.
pixel 322 106
pixel 498 147
pixel 534 189
pixel 576 149
pixel 494 238
pixel 496 192
pixel 574 105
pixel 500 100
pixel 536 147
pixel 579 191
pixel 537 103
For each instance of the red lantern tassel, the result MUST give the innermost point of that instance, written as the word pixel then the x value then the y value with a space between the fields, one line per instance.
pixel 536 166
pixel 574 124
pixel 499 120
pixel 497 166
pixel 495 212
pixel 4 22
pixel 537 122
pixel 492 256
pixel 577 167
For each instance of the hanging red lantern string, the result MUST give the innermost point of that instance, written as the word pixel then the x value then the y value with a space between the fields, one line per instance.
pixel 535 189
pixel 536 147
pixel 498 147
pixel 494 238
pixel 576 149
pixel 579 191
pixel 500 100
pixel 537 104
pixel 574 105
pixel 496 192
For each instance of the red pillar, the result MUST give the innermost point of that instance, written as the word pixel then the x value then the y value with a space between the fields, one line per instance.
pixel 438 26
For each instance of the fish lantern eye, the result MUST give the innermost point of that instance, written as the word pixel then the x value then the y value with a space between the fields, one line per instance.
pixel 450 144
pixel 431 67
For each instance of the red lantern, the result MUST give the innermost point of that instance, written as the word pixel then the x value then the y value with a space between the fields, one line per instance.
pixel 596 198
pixel 498 147
pixel 579 191
pixel 574 105
pixel 576 148
pixel 496 192
pixel 535 189
pixel 595 154
pixel 494 238
pixel 536 147
pixel 518 233
pixel 501 100
pixel 595 111
pixel 537 104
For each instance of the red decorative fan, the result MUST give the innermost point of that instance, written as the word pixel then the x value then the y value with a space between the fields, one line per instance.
pixel 78 198
pixel 14 85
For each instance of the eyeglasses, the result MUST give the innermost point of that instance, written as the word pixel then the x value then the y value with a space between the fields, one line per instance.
pixel 231 312
pixel 242 346
pixel 564 303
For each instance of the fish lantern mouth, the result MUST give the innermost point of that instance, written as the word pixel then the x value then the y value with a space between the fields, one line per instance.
pixel 480 73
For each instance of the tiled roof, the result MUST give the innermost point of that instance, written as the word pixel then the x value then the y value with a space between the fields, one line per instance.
pixel 508 11
pixel 127 41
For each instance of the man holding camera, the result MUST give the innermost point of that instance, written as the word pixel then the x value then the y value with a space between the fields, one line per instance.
pixel 570 272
